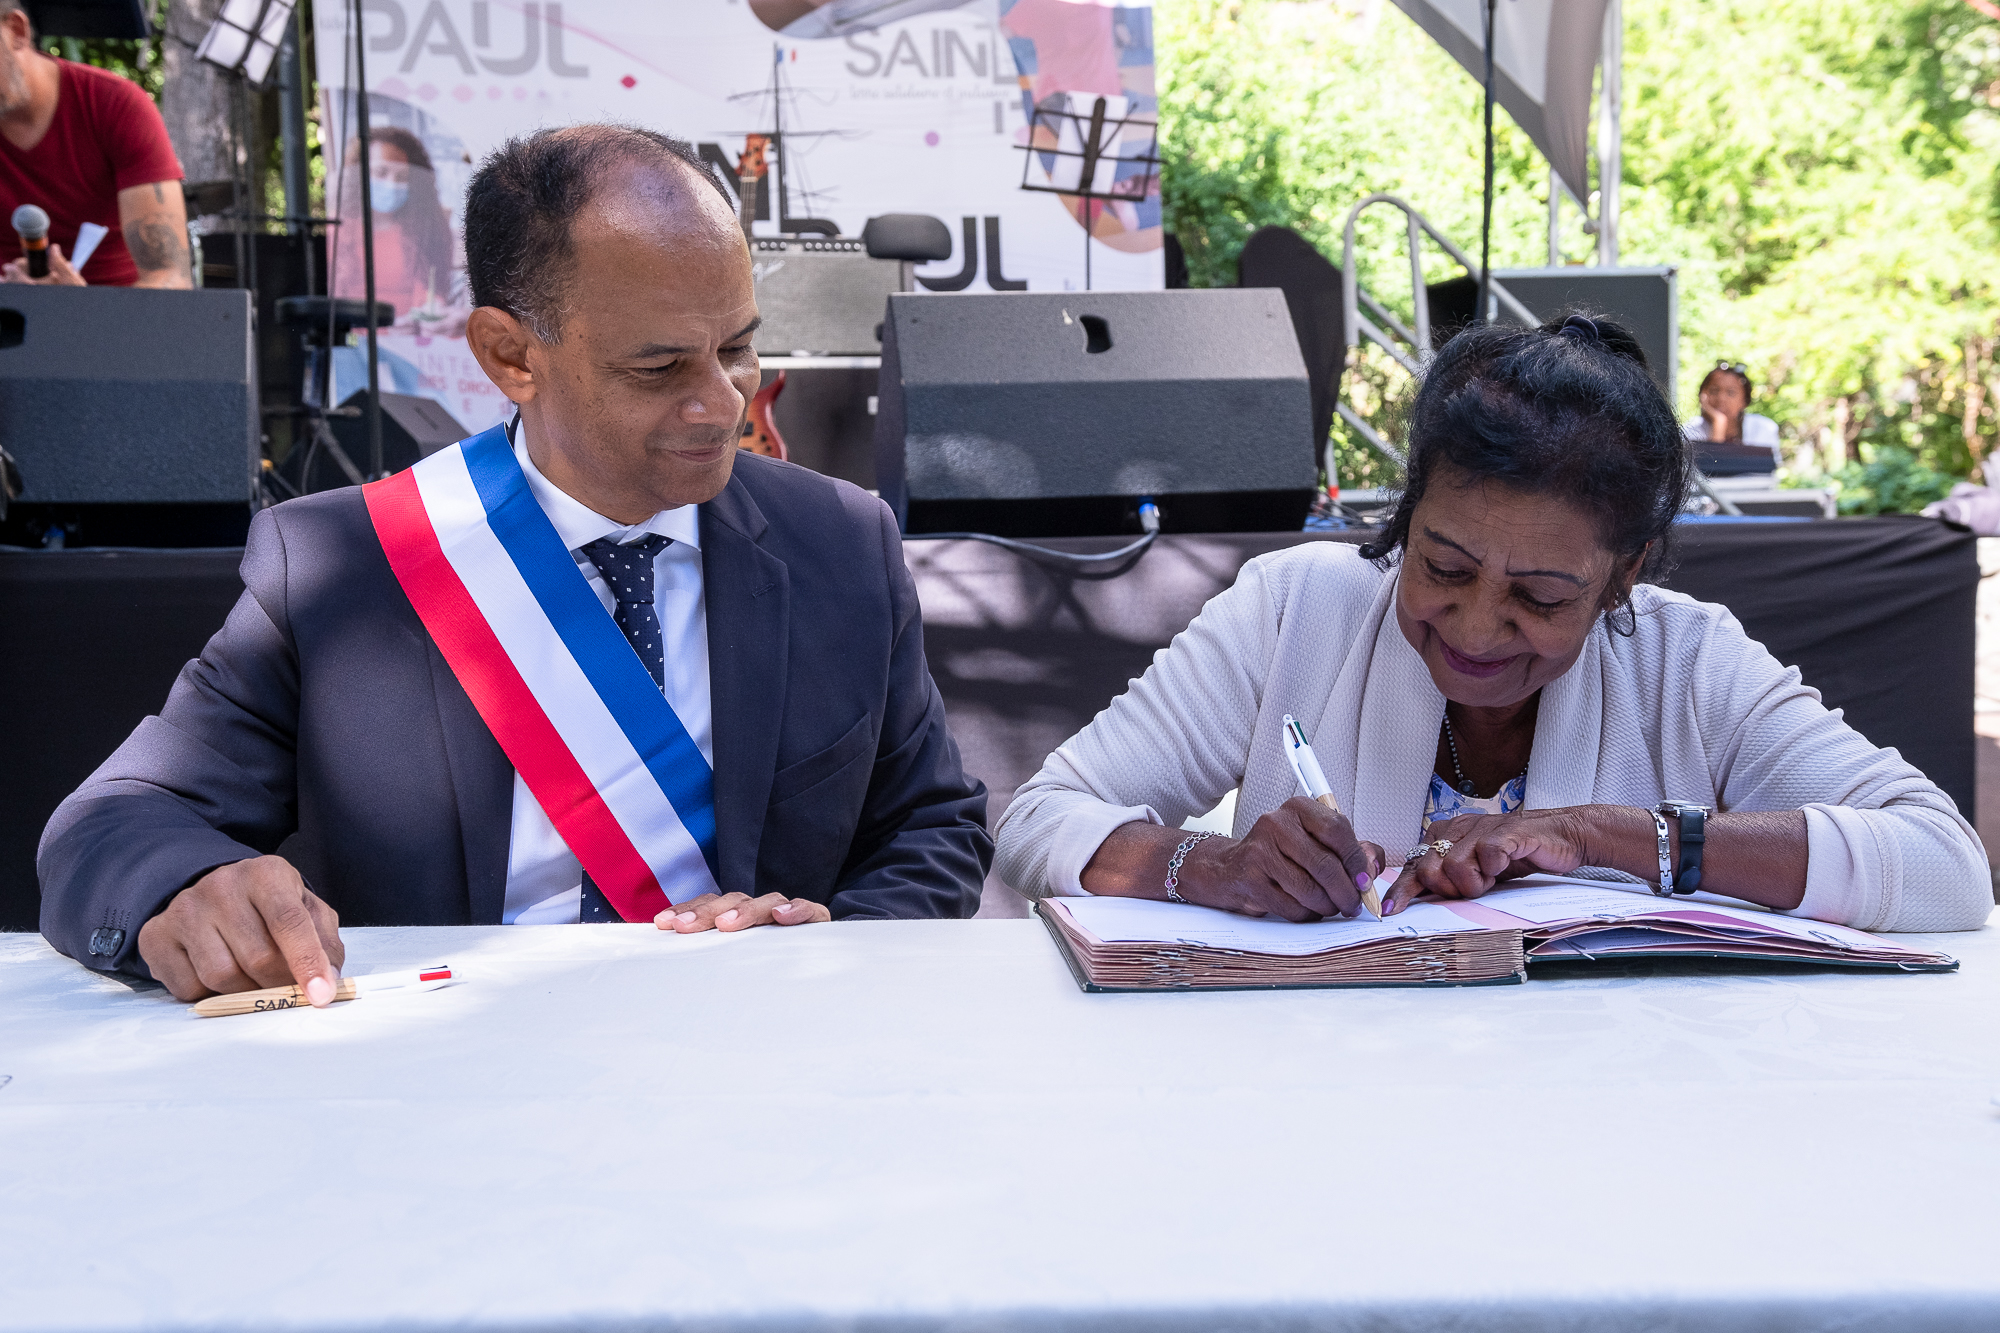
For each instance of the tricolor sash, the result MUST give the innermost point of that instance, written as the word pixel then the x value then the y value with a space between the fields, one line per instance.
pixel 551 673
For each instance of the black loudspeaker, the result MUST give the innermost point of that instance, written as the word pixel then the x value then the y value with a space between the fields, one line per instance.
pixel 1644 300
pixel 1052 414
pixel 1280 257
pixel 122 20
pixel 117 395
pixel 412 428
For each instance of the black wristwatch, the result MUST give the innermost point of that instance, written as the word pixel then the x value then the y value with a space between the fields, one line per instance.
pixel 1694 831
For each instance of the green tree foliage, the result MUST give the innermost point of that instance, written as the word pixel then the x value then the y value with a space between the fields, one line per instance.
pixel 1823 175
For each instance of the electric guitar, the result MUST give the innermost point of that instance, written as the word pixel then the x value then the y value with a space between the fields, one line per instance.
pixel 760 432
pixel 750 169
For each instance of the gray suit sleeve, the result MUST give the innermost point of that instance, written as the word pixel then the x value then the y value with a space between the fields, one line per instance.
pixel 209 781
pixel 921 849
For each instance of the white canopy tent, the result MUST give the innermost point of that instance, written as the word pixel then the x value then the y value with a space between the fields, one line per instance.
pixel 1545 56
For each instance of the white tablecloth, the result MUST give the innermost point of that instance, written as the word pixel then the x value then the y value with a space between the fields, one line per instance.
pixel 926 1125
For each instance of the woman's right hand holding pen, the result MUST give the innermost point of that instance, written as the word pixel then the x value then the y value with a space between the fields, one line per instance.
pixel 1301 862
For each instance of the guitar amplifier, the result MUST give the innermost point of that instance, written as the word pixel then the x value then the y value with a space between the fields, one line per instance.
pixel 820 295
pixel 116 395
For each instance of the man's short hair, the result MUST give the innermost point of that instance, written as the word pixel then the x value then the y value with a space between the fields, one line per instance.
pixel 17 6
pixel 524 199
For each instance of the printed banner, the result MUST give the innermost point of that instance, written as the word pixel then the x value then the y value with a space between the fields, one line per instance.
pixel 862 107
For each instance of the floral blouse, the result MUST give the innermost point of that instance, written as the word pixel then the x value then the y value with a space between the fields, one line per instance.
pixel 1447 802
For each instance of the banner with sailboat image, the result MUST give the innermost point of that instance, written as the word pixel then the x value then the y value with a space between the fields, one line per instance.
pixel 976 112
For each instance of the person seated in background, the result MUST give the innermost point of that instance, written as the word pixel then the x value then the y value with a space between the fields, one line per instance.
pixel 1729 439
pixel 1576 718
pixel 600 666
pixel 86 146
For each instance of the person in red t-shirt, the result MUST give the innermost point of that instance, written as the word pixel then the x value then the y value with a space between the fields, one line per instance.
pixel 87 146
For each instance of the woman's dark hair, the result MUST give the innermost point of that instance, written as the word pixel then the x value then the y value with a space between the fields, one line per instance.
pixel 409 145
pixel 1567 410
pixel 1736 368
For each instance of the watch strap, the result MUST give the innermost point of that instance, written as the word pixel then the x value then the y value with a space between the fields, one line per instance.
pixel 1694 833
pixel 1665 888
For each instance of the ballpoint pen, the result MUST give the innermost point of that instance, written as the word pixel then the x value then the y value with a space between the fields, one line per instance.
pixel 1305 766
pixel 350 988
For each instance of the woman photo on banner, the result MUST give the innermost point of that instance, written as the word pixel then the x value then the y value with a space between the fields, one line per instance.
pixel 415 252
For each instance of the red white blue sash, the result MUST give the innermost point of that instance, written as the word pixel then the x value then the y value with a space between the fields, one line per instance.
pixel 551 673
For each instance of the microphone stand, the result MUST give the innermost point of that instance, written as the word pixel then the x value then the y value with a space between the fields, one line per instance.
pixel 374 408
pixel 1485 315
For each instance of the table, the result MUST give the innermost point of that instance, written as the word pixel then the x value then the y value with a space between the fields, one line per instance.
pixel 925 1125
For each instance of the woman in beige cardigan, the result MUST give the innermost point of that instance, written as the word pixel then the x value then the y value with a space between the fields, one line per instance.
pixel 1490 686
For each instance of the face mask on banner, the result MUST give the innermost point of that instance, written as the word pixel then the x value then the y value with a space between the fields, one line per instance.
pixel 389 196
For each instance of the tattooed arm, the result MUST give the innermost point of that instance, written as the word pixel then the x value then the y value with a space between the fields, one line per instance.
pixel 154 220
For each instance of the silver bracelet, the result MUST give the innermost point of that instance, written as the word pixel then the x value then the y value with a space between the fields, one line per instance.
pixel 1665 888
pixel 1180 855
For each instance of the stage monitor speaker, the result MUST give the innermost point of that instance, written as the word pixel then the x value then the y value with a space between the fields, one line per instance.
pixel 821 296
pixel 413 428
pixel 1036 414
pixel 116 395
pixel 1645 300
pixel 120 20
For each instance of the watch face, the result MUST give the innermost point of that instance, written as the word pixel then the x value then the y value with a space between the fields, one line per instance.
pixel 1677 807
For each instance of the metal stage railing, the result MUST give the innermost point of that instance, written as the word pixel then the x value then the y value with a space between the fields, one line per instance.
pixel 1397 334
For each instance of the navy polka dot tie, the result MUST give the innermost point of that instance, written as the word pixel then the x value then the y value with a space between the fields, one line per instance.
pixel 628 572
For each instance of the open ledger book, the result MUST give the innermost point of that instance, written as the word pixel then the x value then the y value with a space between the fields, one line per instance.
pixel 1115 944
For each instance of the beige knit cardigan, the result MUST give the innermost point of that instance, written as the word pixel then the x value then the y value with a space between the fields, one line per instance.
pixel 1688 707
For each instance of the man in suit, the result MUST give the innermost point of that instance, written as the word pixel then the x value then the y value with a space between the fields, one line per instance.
pixel 336 754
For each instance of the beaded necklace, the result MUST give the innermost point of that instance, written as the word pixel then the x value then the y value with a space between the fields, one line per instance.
pixel 1465 786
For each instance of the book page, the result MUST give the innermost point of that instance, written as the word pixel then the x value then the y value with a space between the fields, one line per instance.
pixel 1547 900
pixel 1142 920
pixel 1544 900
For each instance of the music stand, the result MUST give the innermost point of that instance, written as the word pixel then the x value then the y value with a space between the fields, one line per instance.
pixel 1091 156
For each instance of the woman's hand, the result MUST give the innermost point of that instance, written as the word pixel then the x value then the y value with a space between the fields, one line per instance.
pixel 1301 862
pixel 1487 849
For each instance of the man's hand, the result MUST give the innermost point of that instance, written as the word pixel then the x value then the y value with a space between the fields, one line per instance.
pixel 244 927
pixel 739 911
pixel 60 272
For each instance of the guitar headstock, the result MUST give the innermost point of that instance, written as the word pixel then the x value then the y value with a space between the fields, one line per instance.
pixel 751 164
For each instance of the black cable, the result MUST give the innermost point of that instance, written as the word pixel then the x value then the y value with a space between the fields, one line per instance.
pixel 1079 566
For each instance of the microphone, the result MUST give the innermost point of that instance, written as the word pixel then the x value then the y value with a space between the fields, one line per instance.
pixel 32 225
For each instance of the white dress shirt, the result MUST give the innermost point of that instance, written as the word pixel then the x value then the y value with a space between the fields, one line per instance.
pixel 544 878
pixel 1757 429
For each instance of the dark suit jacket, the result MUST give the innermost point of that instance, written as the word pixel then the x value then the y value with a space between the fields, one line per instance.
pixel 323 724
